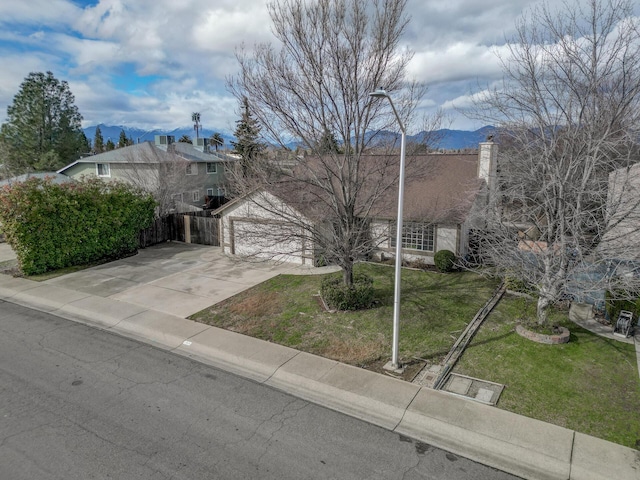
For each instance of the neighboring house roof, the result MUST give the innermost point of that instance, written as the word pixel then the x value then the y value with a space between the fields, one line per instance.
pixel 54 176
pixel 144 152
pixel 191 153
pixel 439 188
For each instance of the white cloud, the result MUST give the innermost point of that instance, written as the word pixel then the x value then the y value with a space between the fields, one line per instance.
pixel 455 62
pixel 183 51
pixel 38 12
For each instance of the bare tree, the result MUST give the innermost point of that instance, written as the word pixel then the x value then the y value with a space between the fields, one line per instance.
pixel 163 174
pixel 569 114
pixel 315 85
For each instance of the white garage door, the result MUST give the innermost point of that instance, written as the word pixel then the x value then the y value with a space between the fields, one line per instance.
pixel 266 240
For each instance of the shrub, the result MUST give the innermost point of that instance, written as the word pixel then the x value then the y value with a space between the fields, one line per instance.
pixel 444 260
pixel 52 226
pixel 339 296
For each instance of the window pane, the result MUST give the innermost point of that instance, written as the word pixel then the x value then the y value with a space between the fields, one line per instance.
pixel 103 169
pixel 415 236
pixel 211 167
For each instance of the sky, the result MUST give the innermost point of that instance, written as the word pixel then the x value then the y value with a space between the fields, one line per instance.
pixel 151 63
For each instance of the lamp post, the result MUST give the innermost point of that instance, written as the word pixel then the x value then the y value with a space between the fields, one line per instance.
pixel 394 364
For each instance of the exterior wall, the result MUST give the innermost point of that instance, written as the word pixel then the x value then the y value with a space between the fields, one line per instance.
pixel 446 238
pixel 622 241
pixel 146 174
pixel 81 169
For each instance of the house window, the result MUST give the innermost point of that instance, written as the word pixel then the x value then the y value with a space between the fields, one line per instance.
pixel 212 167
pixel 415 236
pixel 103 170
pixel 209 192
pixel 195 196
pixel 192 169
pixel 220 192
pixel 177 198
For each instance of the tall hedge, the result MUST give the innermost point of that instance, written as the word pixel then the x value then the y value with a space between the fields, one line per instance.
pixel 52 226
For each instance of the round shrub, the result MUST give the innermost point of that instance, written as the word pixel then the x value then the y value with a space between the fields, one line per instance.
pixel 444 260
pixel 339 296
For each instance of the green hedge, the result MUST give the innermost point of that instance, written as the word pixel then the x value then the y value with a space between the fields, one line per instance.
pixel 339 296
pixel 445 260
pixel 52 226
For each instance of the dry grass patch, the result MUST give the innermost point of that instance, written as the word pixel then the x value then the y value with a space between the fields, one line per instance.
pixel 261 304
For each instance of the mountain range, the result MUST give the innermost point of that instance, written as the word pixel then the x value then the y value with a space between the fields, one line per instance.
pixel 444 139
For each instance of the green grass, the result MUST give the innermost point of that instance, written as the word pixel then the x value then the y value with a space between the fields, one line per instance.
pixel 590 384
pixel 435 308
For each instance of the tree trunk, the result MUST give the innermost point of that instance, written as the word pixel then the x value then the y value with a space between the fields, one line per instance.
pixel 347 274
pixel 543 310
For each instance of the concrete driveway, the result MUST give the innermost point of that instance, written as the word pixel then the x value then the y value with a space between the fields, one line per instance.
pixel 175 278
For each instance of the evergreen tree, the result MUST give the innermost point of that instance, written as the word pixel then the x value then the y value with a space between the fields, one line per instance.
pixel 110 145
pixel 123 141
pixel 328 143
pixel 247 134
pixel 43 128
pixel 185 139
pixel 98 141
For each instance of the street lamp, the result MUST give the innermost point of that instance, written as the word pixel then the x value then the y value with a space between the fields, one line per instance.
pixel 394 365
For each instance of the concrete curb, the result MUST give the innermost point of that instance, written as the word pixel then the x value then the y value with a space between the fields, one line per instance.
pixel 516 444
pixel 359 393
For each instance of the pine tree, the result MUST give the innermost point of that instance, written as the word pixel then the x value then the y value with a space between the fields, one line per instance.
pixel 43 128
pixel 123 141
pixel 247 134
pixel 110 145
pixel 98 141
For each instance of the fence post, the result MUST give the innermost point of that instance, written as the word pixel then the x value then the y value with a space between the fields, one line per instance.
pixel 187 229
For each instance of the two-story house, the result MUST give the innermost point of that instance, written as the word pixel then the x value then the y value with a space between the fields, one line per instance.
pixel 181 176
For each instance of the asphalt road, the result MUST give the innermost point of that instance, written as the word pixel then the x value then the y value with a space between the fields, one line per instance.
pixel 80 403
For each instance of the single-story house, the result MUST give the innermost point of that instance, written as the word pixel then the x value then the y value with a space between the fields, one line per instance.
pixel 437 214
pixel 184 173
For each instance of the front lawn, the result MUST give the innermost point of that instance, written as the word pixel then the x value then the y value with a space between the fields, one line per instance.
pixel 435 308
pixel 590 384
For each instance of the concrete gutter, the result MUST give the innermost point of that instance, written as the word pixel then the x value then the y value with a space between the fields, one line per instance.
pixel 513 443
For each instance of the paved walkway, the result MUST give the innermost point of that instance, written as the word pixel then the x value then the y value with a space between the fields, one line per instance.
pixel 122 297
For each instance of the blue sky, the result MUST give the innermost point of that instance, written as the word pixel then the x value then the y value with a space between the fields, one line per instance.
pixel 150 63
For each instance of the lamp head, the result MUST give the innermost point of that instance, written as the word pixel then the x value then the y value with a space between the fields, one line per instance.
pixel 379 93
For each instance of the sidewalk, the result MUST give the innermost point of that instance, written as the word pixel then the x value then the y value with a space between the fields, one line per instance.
pixel 523 446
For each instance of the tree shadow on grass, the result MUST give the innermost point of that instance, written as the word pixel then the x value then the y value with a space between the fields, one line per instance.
pixel 496 338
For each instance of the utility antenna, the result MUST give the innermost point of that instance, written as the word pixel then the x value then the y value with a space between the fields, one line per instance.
pixel 196 119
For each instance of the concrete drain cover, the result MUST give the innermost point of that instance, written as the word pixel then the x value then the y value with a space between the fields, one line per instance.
pixel 480 390
pixel 459 385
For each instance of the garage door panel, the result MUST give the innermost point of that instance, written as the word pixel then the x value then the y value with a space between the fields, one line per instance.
pixel 267 240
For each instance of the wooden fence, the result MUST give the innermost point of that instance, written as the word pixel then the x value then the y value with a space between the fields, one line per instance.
pixel 192 227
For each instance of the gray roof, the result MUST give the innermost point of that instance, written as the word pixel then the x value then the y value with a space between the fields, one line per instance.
pixel 189 152
pixel 144 152
pixel 148 152
pixel 54 176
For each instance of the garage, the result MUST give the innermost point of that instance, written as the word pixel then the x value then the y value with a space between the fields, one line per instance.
pixel 262 227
